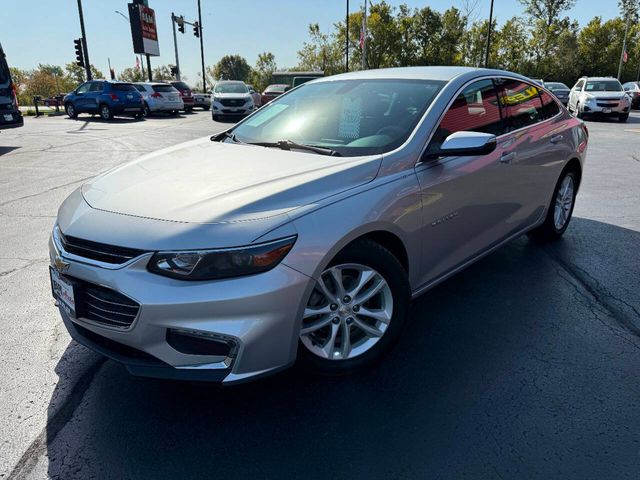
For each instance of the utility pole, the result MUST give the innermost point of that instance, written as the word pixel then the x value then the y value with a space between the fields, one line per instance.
pixel 624 46
pixel 347 40
pixel 204 78
pixel 149 68
pixel 486 55
pixel 175 44
pixel 364 37
pixel 87 65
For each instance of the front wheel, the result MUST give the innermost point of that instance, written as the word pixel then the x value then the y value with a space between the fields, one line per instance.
pixel 623 117
pixel 71 110
pixel 356 310
pixel 147 111
pixel 560 210
pixel 105 112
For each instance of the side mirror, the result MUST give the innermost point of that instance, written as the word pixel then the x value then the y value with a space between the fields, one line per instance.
pixel 460 144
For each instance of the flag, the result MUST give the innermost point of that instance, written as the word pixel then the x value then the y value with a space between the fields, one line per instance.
pixel 625 56
pixel 361 38
pixel 138 62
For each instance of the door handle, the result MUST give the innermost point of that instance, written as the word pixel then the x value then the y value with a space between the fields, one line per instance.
pixel 556 139
pixel 508 157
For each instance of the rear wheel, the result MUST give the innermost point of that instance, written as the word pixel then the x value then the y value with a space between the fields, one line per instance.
pixel 70 110
pixel 356 310
pixel 560 210
pixel 105 112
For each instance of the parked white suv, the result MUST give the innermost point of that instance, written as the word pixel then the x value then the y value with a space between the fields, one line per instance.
pixel 602 96
pixel 231 99
pixel 159 97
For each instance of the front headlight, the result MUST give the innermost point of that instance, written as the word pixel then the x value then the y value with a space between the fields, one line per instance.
pixel 222 263
pixel 589 98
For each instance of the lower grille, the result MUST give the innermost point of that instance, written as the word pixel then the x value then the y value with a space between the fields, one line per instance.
pixel 607 104
pixel 103 305
pixel 98 251
pixel 232 102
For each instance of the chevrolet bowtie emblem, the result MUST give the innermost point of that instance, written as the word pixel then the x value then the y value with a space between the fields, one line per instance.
pixel 59 264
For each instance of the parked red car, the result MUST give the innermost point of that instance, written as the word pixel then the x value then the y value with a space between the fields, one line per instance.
pixel 186 94
pixel 273 91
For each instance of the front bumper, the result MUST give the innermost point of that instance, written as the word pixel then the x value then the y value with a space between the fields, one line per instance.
pixel 258 314
pixel 605 108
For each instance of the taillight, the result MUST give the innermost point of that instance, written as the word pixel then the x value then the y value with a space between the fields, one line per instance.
pixel 14 95
pixel 586 130
pixel 156 95
pixel 114 97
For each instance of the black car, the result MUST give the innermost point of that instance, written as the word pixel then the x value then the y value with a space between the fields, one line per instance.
pixel 560 90
pixel 633 90
pixel 10 116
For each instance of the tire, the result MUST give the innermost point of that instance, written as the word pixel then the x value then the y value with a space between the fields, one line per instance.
pixel 139 116
pixel 623 117
pixel 188 109
pixel 340 316
pixel 147 111
pixel 206 109
pixel 215 118
pixel 70 110
pixel 105 112
pixel 551 230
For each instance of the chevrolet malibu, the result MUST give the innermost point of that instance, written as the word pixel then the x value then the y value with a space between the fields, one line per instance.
pixel 303 232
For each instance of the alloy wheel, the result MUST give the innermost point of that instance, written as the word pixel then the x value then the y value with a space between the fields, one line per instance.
pixel 348 312
pixel 563 202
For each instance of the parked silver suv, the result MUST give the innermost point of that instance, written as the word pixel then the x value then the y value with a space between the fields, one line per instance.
pixel 304 231
pixel 602 96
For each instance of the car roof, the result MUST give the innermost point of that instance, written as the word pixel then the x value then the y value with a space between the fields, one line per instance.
pixel 600 78
pixel 420 73
pixel 230 81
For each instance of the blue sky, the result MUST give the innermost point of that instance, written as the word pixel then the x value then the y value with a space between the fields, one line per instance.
pixel 42 31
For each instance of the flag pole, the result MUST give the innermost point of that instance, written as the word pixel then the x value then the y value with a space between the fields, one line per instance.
pixel 624 47
pixel 364 37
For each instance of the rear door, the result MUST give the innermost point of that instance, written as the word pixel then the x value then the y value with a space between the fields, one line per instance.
pixel 534 142
pixel 464 207
pixel 128 95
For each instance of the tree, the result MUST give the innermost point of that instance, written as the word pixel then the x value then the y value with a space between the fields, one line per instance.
pixel 77 74
pixel 322 52
pixel 512 46
pixel 261 73
pixel 131 74
pixel 546 10
pixel 631 8
pixel 162 73
pixel 232 67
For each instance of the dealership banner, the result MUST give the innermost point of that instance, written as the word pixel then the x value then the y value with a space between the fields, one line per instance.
pixel 143 29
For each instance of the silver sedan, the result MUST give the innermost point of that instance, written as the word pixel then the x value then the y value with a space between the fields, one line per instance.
pixel 303 232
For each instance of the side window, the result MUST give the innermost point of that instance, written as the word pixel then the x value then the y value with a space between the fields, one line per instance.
pixel 84 88
pixel 140 88
pixel 475 109
pixel 549 105
pixel 96 87
pixel 521 104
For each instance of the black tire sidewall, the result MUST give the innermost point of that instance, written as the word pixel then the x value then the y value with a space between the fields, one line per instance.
pixel 74 113
pixel 548 231
pixel 102 107
pixel 373 255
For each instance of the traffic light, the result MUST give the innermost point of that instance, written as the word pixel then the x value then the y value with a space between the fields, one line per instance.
pixel 196 29
pixel 174 70
pixel 79 52
pixel 180 22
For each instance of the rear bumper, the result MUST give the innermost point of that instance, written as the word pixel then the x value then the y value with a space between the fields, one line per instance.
pixel 126 109
pixel 16 120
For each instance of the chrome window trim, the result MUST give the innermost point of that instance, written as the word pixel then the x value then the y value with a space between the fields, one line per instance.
pixel 499 137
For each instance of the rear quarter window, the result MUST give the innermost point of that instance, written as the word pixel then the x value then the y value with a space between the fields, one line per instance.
pixel 549 105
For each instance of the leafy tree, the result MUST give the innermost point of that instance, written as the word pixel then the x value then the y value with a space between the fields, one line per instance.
pixel 475 44
pixel 77 74
pixel 261 74
pixel 546 10
pixel 321 52
pixel 631 8
pixel 512 51
pixel 232 67
pixel 162 73
pixel 132 74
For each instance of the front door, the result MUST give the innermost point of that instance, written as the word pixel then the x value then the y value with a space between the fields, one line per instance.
pixel 463 205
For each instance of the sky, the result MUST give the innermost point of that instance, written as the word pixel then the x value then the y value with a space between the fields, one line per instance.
pixel 42 31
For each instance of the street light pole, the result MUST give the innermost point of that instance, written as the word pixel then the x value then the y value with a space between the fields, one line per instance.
pixel 347 39
pixel 364 37
pixel 175 45
pixel 486 55
pixel 87 65
pixel 204 78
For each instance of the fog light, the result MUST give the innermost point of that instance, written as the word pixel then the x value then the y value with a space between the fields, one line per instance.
pixel 193 342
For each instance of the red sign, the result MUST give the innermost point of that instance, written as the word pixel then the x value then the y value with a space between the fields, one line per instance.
pixel 148 23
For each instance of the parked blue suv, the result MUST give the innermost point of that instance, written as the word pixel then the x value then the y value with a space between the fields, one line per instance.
pixel 106 98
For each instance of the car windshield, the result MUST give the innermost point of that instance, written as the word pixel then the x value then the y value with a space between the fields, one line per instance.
pixel 556 86
pixel 124 87
pixel 352 117
pixel 231 88
pixel 603 86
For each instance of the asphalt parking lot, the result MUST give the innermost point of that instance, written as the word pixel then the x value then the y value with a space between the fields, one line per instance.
pixel 525 365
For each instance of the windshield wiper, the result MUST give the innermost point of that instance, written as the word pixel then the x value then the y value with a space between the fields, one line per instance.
pixel 218 137
pixel 288 145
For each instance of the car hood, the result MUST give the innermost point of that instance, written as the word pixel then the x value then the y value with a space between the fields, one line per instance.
pixel 616 95
pixel 210 182
pixel 232 95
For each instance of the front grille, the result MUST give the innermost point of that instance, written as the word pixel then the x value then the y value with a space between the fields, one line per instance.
pixel 98 251
pixel 103 305
pixel 118 350
pixel 232 102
